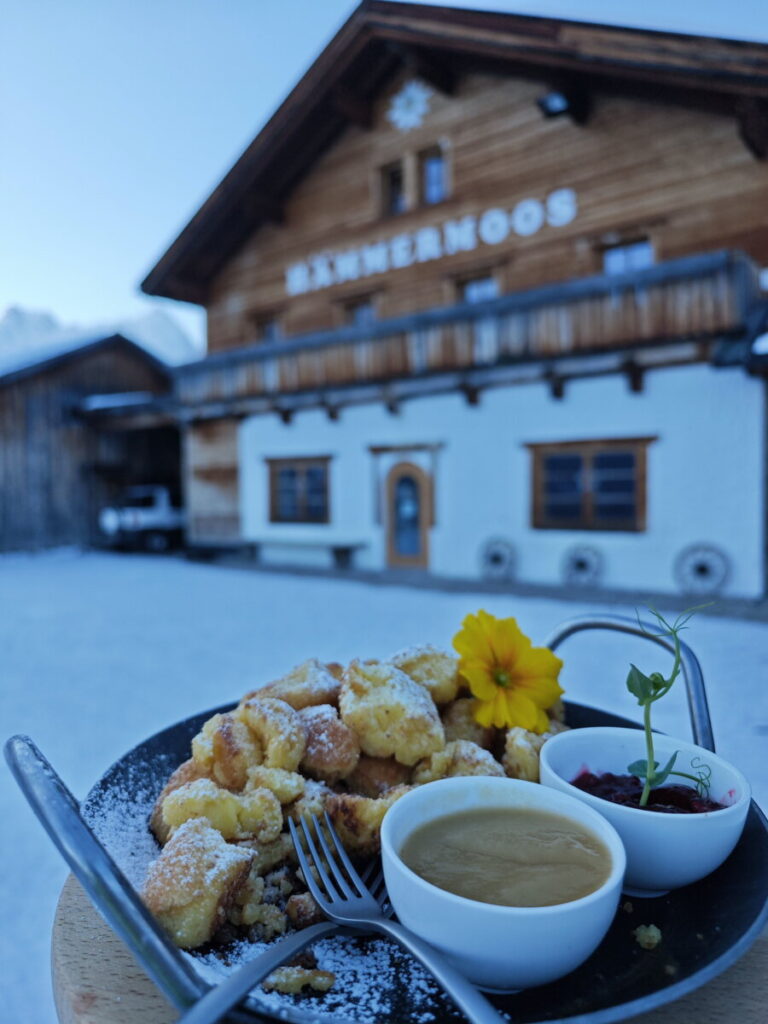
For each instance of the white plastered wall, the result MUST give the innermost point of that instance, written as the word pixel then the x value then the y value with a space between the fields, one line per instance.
pixel 705 480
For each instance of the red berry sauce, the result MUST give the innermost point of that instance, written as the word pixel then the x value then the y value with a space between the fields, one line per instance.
pixel 627 789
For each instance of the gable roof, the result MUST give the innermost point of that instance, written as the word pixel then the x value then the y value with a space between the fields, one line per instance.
pixel 438 44
pixel 19 364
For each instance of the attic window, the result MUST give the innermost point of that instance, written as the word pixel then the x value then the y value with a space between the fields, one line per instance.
pixel 433 176
pixel 267 328
pixel 478 289
pixel 393 189
pixel 360 312
pixel 628 256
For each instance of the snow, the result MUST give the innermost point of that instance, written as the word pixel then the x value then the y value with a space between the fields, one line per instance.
pixel 101 650
pixel 28 338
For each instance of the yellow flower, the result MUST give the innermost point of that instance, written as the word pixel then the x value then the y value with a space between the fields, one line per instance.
pixel 514 681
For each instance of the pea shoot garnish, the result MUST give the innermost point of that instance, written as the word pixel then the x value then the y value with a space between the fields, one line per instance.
pixel 650 688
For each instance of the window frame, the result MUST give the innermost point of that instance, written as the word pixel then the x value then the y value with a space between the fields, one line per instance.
pixel 628 248
pixel 588 450
pixel 301 464
pixel 385 191
pixel 349 305
pixel 423 156
pixel 262 323
pixel 485 274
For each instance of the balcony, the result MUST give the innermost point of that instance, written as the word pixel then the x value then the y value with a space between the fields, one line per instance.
pixel 554 331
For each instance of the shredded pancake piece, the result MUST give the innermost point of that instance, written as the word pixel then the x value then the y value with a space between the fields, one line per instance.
pixel 459 758
pixel 433 669
pixel 391 714
pixel 459 723
pixel 278 727
pixel 224 750
pixel 522 749
pixel 291 980
pixel 254 814
pixel 374 776
pixel 332 749
pixel 194 881
pixel 308 684
pixel 357 819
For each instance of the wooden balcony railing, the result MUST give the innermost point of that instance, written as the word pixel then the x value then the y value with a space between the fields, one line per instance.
pixel 698 297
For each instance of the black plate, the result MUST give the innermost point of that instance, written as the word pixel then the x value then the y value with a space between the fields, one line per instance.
pixel 705 927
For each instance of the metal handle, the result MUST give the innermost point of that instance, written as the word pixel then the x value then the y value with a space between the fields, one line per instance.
pixel 102 879
pixel 469 1000
pixel 698 708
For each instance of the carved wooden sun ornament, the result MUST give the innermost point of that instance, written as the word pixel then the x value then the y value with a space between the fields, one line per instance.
pixel 409 106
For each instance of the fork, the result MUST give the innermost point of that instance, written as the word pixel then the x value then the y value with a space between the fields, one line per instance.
pixel 217 1001
pixel 343 897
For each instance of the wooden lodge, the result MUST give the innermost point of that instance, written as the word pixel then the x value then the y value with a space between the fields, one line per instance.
pixel 484 299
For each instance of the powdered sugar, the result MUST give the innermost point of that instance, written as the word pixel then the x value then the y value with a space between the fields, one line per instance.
pixel 376 982
pixel 415 652
pixel 119 818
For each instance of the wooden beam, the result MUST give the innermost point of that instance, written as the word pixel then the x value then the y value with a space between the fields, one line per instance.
pixel 752 114
pixel 556 384
pixel 285 413
pixel 333 412
pixel 356 110
pixel 265 208
pixel 391 402
pixel 440 74
pixel 635 376
pixel 471 393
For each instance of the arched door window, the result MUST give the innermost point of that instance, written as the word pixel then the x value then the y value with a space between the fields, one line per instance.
pixel 408 514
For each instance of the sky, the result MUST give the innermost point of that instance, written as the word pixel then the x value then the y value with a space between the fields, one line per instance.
pixel 119 117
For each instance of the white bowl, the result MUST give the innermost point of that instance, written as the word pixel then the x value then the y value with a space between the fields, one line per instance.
pixel 664 851
pixel 497 947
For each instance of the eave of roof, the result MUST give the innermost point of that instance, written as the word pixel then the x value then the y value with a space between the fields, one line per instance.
pixel 376 40
pixel 62 352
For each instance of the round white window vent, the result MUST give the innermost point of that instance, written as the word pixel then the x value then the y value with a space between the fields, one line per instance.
pixel 497 559
pixel 582 565
pixel 701 569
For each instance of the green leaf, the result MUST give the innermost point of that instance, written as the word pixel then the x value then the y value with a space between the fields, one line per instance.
pixel 658 682
pixel 640 685
pixel 660 777
pixel 640 768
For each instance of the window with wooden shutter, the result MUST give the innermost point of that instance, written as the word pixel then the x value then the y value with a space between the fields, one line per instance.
pixel 590 485
pixel 299 490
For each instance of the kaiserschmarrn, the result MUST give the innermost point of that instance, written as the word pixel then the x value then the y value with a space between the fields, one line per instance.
pixel 349 741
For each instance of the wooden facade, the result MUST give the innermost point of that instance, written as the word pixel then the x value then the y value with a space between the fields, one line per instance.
pixel 653 119
pixel 332 278
pixel 212 495
pixel 56 470
pixel 701 298
pixel 675 176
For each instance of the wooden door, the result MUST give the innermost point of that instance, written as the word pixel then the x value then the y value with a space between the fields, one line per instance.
pixel 409 502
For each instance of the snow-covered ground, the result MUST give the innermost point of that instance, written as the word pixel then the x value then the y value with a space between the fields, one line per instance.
pixel 99 651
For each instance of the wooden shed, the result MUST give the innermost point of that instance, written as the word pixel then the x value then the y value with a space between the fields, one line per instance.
pixel 57 466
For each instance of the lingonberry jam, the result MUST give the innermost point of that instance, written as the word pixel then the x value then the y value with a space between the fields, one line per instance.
pixel 627 789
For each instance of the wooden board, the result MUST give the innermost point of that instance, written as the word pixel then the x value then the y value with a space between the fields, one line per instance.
pixel 211 482
pixel 97 981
